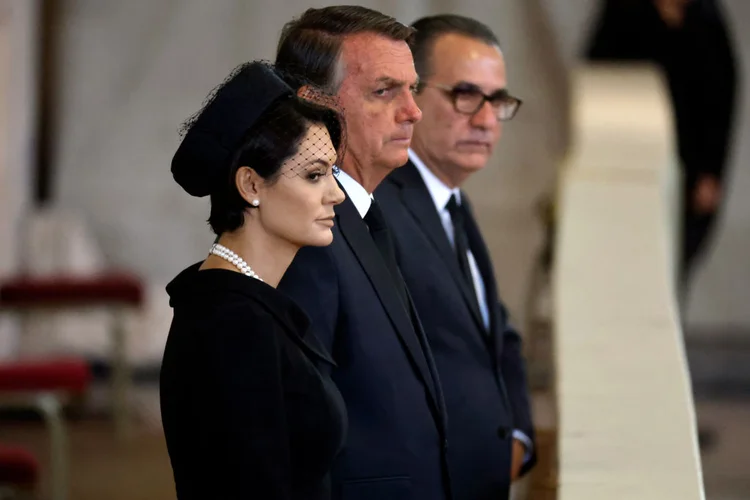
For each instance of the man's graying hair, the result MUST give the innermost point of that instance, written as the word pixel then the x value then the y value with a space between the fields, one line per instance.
pixel 311 44
pixel 430 28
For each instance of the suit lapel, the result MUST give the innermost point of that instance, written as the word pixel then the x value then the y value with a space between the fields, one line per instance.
pixel 484 263
pixel 417 199
pixel 355 232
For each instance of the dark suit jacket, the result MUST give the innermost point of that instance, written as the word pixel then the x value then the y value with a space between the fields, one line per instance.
pixel 397 439
pixel 482 373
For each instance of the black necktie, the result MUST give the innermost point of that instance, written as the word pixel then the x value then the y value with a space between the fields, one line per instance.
pixel 460 240
pixel 382 237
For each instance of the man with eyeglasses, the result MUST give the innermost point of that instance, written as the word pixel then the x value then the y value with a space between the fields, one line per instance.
pixel 445 262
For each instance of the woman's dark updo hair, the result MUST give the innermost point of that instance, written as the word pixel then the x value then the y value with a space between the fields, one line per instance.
pixel 253 119
pixel 274 138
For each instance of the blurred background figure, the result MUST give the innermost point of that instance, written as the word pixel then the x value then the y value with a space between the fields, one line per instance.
pixel 690 43
pixel 688 40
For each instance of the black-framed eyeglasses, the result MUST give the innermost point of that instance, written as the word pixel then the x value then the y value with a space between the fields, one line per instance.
pixel 468 99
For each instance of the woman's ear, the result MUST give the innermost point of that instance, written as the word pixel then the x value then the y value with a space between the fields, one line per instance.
pixel 249 184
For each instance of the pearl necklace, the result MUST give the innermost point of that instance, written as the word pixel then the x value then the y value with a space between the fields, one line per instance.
pixel 233 258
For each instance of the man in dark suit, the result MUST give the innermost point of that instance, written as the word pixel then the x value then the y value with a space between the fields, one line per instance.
pixel 445 262
pixel 353 292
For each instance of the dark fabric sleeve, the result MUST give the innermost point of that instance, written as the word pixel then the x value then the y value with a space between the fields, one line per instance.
pixel 312 282
pixel 513 367
pixel 254 439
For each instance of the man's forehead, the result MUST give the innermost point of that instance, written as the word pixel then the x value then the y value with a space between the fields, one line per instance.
pixel 460 58
pixel 457 45
pixel 377 57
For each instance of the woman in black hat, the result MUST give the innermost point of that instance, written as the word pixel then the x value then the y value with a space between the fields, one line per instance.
pixel 247 408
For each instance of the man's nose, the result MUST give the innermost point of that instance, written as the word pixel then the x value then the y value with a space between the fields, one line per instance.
pixel 485 118
pixel 410 112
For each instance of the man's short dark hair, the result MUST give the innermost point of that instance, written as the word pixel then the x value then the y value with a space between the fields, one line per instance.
pixel 310 45
pixel 430 28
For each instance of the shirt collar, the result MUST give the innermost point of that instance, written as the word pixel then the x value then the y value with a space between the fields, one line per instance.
pixel 354 190
pixel 439 192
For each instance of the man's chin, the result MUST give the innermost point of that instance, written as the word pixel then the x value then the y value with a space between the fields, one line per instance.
pixel 473 164
pixel 397 159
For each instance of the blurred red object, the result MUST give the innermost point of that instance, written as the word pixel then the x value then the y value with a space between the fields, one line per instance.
pixel 18 467
pixel 23 291
pixel 66 375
